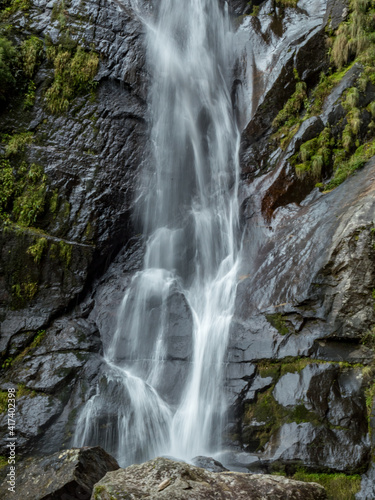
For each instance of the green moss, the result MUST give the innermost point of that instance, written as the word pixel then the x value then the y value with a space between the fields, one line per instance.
pixel 19 358
pixel 7 56
pixel 3 461
pixel 324 88
pixel 7 186
pixel 255 10
pixel 267 411
pixel 287 3
pixel 294 365
pixel 53 204
pixel 346 168
pixel 293 106
pixel 3 401
pixel 29 98
pixel 37 250
pixel 65 252
pixel 74 70
pixel 23 391
pixel 58 13
pixel 17 142
pixel 31 53
pixel 370 395
pixel 313 155
pixel 338 486
pixel 29 204
pixel 14 6
pixel 301 414
pixel 354 38
pixel 278 322
pixel 98 490
pixel 24 292
pixel 268 368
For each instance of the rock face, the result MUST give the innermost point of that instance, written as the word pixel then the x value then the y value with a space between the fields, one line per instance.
pixel 90 157
pixel 304 297
pixel 68 475
pixel 163 478
pixel 301 352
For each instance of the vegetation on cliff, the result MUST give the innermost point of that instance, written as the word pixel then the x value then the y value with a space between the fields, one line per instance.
pixel 340 151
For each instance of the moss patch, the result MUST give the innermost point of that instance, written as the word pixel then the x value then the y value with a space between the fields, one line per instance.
pixel 38 249
pixel 278 322
pixel 74 70
pixel 338 486
pixel 346 149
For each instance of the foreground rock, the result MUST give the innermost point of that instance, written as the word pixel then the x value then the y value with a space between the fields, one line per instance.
pixel 68 475
pixel 164 478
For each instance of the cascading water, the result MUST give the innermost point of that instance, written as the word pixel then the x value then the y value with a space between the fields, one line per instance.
pixel 188 202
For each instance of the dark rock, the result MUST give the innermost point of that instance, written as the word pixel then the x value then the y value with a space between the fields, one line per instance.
pixel 35 413
pixel 367 485
pixel 49 375
pixel 81 151
pixel 209 464
pixel 56 282
pixel 268 55
pixel 338 350
pixel 163 478
pixel 66 475
pixel 318 447
pixel 332 110
pixel 323 293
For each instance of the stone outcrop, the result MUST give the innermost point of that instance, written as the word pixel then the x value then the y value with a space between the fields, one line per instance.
pixel 164 478
pixel 66 475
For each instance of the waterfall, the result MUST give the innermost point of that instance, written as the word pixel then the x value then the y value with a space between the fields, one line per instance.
pixel 188 205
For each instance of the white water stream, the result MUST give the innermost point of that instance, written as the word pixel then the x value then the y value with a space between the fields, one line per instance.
pixel 188 202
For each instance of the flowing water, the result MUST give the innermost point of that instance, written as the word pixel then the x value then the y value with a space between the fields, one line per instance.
pixel 188 204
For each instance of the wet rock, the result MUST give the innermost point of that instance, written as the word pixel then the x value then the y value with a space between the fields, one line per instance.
pixel 48 374
pixel 321 275
pixel 292 388
pixel 68 475
pixel 54 282
pixel 189 482
pixel 318 447
pixel 338 350
pixel 367 485
pixel 270 46
pixel 35 413
pixel 209 464
pixel 90 155
pixel 332 111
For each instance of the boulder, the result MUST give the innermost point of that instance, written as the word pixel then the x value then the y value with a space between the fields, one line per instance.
pixel 162 478
pixel 66 475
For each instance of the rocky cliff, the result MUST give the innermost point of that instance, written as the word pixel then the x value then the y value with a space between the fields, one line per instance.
pixel 300 363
